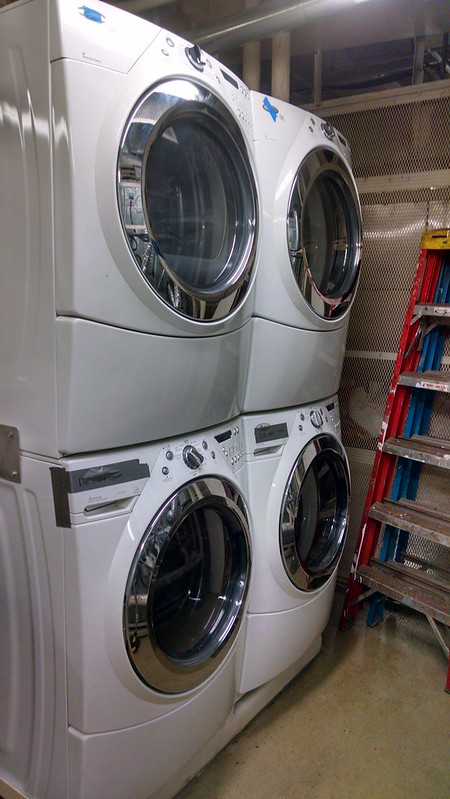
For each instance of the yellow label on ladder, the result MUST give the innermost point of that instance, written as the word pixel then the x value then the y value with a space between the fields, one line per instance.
pixel 436 240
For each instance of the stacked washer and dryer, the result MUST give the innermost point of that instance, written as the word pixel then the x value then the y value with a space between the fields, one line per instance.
pixel 129 233
pixel 157 546
pixel 297 474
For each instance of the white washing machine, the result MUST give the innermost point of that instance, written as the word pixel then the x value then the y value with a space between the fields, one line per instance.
pixel 298 491
pixel 123 584
pixel 128 230
pixel 309 258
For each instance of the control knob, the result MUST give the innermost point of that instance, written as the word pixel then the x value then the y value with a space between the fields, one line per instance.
pixel 192 457
pixel 195 56
pixel 316 418
pixel 328 130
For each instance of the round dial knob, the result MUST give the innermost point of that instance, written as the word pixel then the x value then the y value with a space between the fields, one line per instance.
pixel 195 56
pixel 328 130
pixel 316 418
pixel 192 457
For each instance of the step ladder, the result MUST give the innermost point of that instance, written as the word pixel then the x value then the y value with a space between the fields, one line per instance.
pixel 394 522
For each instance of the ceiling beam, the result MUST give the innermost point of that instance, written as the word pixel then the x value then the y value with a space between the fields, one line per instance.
pixel 326 24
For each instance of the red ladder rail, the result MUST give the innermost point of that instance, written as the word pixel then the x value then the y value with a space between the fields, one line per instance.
pixel 424 285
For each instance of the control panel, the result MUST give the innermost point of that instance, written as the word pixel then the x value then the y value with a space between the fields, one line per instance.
pixel 231 443
pixel 326 129
pixel 320 417
pixel 267 434
pixel 202 453
pixel 227 85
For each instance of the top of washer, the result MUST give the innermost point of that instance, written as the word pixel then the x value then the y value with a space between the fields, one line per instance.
pixel 281 123
pixel 98 33
pixel 109 37
pixel 106 36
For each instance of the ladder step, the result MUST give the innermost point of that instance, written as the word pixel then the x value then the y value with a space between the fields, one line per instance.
pixel 435 381
pixel 414 518
pixel 424 449
pixel 394 583
pixel 427 564
pixel 420 576
pixel 433 513
pixel 439 312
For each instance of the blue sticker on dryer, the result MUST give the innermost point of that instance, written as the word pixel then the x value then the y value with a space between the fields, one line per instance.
pixel 271 109
pixel 91 14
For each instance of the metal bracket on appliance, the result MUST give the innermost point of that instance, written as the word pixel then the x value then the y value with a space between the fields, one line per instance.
pixel 9 454
pixel 61 486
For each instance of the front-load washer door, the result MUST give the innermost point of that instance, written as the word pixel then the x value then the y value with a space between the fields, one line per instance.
pixel 186 590
pixel 324 233
pixel 314 513
pixel 187 199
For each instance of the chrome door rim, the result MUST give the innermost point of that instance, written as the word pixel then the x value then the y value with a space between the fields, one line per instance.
pixel 215 121
pixel 324 446
pixel 154 667
pixel 319 163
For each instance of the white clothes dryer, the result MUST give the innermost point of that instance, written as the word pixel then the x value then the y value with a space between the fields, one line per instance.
pixel 124 580
pixel 298 491
pixel 309 258
pixel 128 230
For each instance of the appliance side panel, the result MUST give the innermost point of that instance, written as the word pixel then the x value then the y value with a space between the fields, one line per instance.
pixel 33 718
pixel 27 386
pixel 16 648
pixel 44 543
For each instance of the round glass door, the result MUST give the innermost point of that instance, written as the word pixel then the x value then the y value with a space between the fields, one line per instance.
pixel 324 233
pixel 186 590
pixel 314 513
pixel 187 200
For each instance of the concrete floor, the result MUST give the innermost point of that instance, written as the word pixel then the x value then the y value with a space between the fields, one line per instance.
pixel 367 719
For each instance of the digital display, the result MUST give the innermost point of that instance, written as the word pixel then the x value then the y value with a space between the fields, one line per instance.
pixel 223 436
pixel 107 475
pixel 270 432
pixel 230 79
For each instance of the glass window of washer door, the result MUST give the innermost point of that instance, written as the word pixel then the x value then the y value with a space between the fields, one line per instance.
pixel 188 199
pixel 324 232
pixel 187 587
pixel 314 515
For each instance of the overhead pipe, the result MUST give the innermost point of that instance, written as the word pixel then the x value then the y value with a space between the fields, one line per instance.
pixel 263 22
